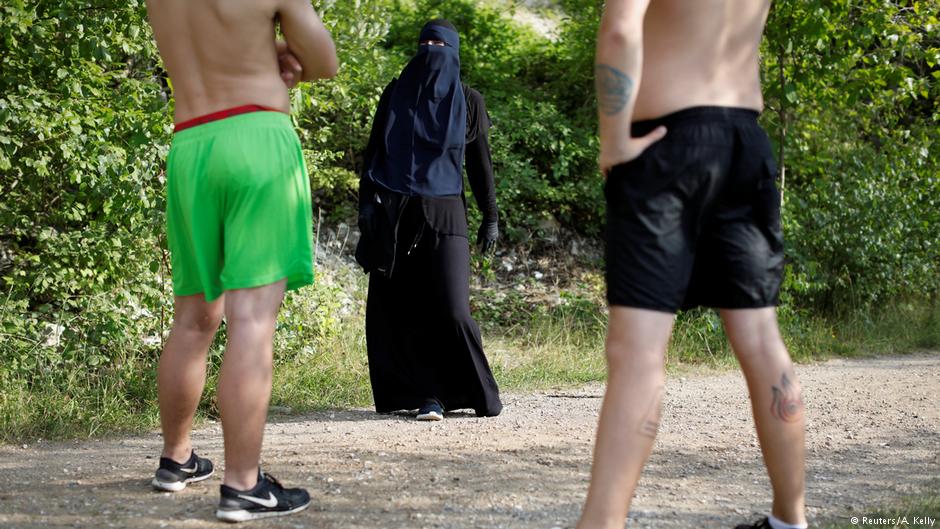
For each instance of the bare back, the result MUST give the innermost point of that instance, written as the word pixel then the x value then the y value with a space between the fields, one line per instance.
pixel 222 53
pixel 701 52
pixel 219 54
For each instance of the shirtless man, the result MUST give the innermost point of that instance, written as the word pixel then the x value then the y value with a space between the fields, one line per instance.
pixel 693 220
pixel 238 225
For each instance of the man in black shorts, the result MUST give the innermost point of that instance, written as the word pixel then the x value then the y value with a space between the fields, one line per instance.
pixel 693 220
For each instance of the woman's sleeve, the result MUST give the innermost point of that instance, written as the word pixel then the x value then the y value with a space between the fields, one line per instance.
pixel 479 160
pixel 366 186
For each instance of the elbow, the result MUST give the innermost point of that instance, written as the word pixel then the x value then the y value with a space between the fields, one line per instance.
pixel 326 66
pixel 618 35
pixel 624 28
pixel 326 70
pixel 331 67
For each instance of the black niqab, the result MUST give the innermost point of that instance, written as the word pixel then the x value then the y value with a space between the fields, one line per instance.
pixel 426 127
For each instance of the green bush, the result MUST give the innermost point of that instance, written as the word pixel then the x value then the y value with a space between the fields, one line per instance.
pixel 853 95
pixel 83 133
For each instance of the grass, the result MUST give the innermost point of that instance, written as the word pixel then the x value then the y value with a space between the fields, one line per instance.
pixel 908 512
pixel 565 350
pixel 893 329
pixel 321 358
pixel 76 404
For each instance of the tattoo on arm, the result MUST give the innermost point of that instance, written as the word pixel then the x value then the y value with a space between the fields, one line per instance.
pixel 614 89
pixel 788 402
pixel 650 425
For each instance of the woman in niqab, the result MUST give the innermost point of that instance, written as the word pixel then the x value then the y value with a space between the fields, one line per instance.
pixel 424 347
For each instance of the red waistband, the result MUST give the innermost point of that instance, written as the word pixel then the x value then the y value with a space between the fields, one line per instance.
pixel 222 114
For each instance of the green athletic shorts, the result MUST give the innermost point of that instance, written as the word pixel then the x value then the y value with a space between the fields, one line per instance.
pixel 239 213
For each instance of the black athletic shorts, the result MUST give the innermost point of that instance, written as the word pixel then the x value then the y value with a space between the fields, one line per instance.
pixel 695 219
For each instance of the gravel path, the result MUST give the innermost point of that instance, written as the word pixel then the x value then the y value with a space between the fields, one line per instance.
pixel 873 436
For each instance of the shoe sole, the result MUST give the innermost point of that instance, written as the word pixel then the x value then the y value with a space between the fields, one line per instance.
pixel 433 416
pixel 242 515
pixel 176 486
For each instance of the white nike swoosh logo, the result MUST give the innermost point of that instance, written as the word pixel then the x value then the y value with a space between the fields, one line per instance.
pixel 190 470
pixel 269 503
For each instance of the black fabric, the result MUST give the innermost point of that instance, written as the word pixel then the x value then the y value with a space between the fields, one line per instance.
pixel 422 341
pixel 478 119
pixel 378 224
pixel 425 128
pixel 695 220
pixel 445 215
pixel 443 22
pixel 479 159
pixel 376 246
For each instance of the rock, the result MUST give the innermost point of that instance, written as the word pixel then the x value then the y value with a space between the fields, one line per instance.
pixel 53 334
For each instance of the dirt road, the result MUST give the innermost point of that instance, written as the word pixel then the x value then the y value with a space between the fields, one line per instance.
pixel 873 435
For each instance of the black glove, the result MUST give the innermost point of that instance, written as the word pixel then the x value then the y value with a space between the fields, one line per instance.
pixel 366 219
pixel 487 236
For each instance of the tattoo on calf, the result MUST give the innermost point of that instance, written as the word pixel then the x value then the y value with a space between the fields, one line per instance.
pixel 788 403
pixel 613 89
pixel 650 425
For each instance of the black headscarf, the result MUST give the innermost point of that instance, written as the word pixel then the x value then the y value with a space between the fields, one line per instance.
pixel 426 126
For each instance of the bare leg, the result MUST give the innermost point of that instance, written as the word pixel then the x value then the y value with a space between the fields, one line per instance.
pixel 636 347
pixel 181 375
pixel 777 405
pixel 245 379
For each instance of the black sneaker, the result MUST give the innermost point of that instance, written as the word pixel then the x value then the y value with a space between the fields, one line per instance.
pixel 268 498
pixel 431 411
pixel 763 523
pixel 173 477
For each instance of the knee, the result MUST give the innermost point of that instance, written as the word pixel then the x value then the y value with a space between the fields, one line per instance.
pixel 767 350
pixel 755 336
pixel 623 359
pixel 204 322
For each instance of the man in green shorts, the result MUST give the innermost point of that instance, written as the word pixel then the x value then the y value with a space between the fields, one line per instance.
pixel 238 225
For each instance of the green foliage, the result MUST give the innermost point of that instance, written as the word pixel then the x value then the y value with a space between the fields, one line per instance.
pixel 853 92
pixel 83 133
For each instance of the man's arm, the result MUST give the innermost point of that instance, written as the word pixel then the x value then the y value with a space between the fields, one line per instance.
pixel 291 70
pixel 617 71
pixel 308 39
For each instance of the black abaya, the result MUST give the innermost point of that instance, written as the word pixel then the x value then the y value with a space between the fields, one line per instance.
pixel 422 341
